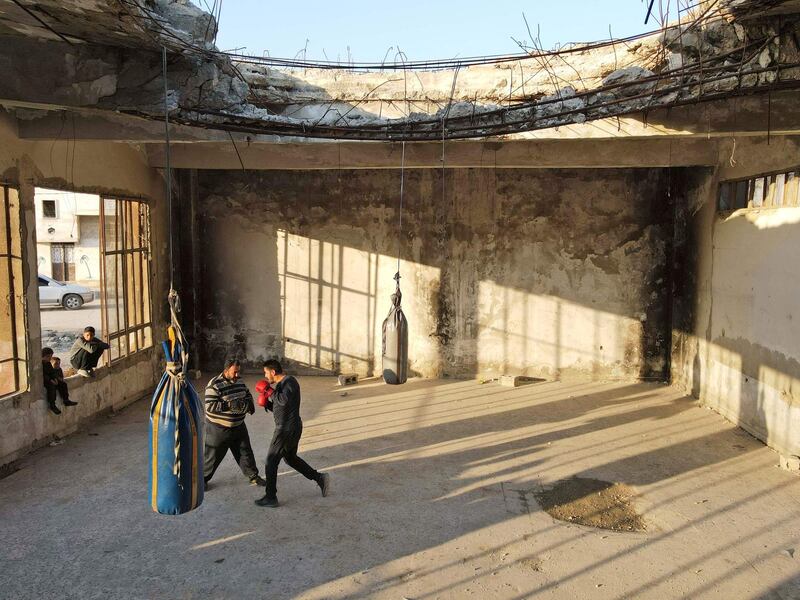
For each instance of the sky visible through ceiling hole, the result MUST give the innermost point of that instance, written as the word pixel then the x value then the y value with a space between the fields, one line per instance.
pixel 422 29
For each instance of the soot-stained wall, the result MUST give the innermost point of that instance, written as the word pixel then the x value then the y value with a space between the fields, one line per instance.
pixel 552 273
pixel 735 339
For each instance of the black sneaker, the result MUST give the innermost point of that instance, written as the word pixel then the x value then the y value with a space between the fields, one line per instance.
pixel 258 481
pixel 206 485
pixel 267 502
pixel 324 483
pixel 70 403
pixel 54 409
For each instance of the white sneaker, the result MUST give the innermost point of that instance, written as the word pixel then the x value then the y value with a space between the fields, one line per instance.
pixel 84 373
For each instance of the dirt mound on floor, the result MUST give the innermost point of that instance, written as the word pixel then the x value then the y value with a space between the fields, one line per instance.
pixel 592 502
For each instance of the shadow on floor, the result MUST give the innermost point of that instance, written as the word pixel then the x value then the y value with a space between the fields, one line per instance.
pixel 429 500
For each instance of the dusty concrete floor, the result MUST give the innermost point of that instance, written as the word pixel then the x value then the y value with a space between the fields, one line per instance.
pixel 433 498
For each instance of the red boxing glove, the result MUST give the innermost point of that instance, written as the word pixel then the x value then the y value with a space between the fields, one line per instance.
pixel 264 392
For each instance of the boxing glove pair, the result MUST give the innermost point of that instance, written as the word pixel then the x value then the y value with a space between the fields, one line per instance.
pixel 264 393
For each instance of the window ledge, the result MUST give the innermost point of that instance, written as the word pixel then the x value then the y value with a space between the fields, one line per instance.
pixel 76 381
pixel 14 397
pixel 106 370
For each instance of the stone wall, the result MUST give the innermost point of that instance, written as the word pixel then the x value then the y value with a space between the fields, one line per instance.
pixel 552 273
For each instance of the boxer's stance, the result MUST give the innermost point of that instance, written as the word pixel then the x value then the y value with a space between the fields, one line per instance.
pixel 228 401
pixel 284 402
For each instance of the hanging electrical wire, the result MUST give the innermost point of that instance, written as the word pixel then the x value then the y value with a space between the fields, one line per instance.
pixel 149 20
pixel 484 122
pixel 146 15
pixel 703 79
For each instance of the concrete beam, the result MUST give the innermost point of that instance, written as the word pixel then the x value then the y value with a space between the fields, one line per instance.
pixel 39 122
pixel 749 115
pixel 463 154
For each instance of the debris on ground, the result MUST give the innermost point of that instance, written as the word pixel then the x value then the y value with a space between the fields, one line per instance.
pixel 593 503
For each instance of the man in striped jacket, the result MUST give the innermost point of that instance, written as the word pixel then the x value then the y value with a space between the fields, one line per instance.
pixel 228 401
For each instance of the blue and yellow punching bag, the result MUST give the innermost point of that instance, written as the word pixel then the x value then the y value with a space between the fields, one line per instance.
pixel 176 430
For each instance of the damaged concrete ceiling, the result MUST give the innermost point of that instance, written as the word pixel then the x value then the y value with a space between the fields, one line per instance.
pixel 105 54
pixel 124 23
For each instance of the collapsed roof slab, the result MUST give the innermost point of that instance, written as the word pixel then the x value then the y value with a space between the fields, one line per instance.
pixel 145 24
pixel 707 58
pixel 777 113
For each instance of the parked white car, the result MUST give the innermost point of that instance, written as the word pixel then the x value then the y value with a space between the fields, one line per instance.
pixel 69 295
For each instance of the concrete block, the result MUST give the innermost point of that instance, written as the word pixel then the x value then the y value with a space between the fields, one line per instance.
pixel 348 379
pixel 790 463
pixel 517 380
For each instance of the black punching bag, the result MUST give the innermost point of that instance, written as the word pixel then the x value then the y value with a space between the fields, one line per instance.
pixel 395 341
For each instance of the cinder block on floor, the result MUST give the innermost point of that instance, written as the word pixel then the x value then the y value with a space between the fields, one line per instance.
pixel 517 380
pixel 348 379
pixel 508 381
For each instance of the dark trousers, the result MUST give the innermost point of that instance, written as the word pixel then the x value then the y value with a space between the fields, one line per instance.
pixel 284 446
pixel 51 389
pixel 219 439
pixel 86 360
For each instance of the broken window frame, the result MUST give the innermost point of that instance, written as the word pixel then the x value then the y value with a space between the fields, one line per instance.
pixel 130 254
pixel 775 189
pixel 12 236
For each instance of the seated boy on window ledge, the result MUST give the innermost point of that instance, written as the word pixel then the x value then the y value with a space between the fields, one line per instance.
pixel 54 381
pixel 86 352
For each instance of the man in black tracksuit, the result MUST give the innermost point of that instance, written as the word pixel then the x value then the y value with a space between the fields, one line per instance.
pixel 284 402
pixel 228 401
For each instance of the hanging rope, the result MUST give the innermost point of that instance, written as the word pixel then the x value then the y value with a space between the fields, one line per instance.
pixel 175 403
pixel 177 357
pixel 402 175
pixel 177 361
pixel 444 126
pixel 400 218
pixel 179 342
pixel 169 168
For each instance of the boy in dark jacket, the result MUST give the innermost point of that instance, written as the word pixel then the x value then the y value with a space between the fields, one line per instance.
pixel 54 381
